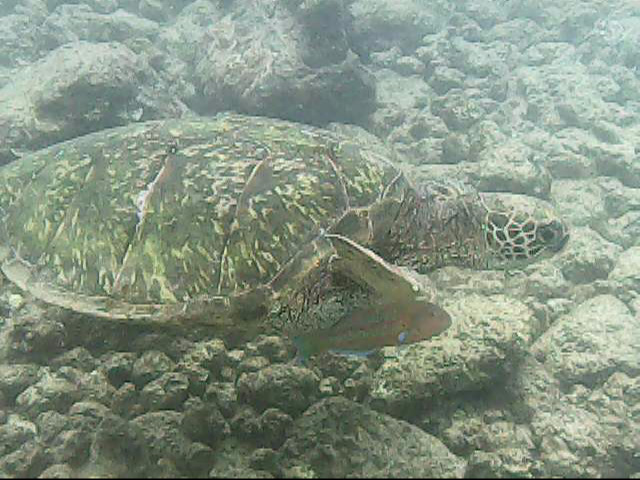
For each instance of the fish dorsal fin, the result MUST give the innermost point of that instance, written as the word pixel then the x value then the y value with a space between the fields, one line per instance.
pixel 367 267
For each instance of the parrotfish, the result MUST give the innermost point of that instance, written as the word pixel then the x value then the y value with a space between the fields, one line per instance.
pixel 368 328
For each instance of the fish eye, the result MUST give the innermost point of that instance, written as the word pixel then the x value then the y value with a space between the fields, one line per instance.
pixel 172 147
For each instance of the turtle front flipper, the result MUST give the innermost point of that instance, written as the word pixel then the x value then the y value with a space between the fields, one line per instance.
pixel 366 267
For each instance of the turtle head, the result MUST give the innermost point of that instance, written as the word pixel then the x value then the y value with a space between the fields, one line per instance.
pixel 449 223
pixel 519 230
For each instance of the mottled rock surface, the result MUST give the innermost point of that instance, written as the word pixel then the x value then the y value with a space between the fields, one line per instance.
pixel 538 375
pixel 336 437
pixel 579 347
pixel 77 88
pixel 488 338
pixel 291 60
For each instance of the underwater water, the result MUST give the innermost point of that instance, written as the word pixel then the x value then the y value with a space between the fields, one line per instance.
pixel 319 238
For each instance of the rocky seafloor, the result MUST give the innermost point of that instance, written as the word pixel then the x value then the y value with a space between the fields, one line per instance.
pixel 539 374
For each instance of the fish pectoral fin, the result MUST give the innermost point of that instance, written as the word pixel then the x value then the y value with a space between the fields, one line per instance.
pixel 366 267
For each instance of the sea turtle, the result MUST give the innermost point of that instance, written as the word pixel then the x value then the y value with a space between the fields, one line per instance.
pixel 219 220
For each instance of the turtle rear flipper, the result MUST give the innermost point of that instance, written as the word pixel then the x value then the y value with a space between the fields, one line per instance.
pixel 217 309
pixel 366 267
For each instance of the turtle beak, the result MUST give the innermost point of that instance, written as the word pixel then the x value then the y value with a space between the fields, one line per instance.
pixel 554 235
pixel 559 245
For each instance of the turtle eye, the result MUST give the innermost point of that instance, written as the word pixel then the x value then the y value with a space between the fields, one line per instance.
pixel 553 235
pixel 549 233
